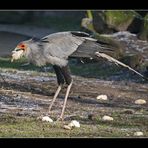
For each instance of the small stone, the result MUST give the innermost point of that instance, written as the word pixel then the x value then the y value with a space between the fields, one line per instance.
pixel 67 127
pixel 127 135
pixel 39 118
pixel 138 134
pixel 47 119
pixel 140 101
pixel 74 123
pixel 128 111
pixel 71 124
pixel 102 97
pixel 107 118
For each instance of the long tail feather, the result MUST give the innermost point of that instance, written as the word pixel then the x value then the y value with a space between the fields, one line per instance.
pixel 111 59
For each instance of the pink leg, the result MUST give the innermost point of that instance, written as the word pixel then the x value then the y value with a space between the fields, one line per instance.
pixel 65 101
pixel 54 98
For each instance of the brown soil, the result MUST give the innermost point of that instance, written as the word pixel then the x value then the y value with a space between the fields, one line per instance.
pixel 29 94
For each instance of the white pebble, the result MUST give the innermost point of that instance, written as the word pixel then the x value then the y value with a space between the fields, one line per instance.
pixel 47 119
pixel 67 127
pixel 71 124
pixel 140 101
pixel 74 123
pixel 138 134
pixel 102 97
pixel 107 118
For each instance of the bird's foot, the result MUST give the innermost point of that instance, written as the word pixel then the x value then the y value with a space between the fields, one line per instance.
pixel 60 119
pixel 39 117
pixel 50 112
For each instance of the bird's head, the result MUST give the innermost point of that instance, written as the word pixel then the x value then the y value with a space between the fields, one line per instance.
pixel 19 51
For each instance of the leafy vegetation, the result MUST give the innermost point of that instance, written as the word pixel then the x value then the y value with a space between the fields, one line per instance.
pixel 119 17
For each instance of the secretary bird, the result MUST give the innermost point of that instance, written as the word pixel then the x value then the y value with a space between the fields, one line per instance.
pixel 56 48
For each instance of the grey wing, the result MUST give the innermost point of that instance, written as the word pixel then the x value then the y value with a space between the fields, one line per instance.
pixel 61 44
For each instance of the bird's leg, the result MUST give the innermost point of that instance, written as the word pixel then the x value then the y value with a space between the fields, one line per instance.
pixel 66 73
pixel 65 101
pixel 60 80
pixel 54 98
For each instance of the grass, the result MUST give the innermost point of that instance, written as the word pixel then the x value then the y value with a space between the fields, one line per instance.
pixel 30 127
pixel 7 64
pixel 93 70
pixel 85 70
pixel 14 126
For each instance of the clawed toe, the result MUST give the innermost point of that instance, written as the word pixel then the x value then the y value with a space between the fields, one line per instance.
pixel 60 119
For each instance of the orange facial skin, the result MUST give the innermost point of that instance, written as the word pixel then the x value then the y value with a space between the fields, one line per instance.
pixel 22 46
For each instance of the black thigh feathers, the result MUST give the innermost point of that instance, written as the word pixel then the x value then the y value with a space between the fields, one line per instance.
pixel 63 74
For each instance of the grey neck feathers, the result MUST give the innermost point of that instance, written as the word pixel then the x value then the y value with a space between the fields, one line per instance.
pixel 35 54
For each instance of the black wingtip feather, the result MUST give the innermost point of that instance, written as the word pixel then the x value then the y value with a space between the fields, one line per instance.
pixel 80 34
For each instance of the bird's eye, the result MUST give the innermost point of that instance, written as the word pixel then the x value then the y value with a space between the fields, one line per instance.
pixel 22 46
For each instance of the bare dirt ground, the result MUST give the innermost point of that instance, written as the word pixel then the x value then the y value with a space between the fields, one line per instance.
pixel 25 91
